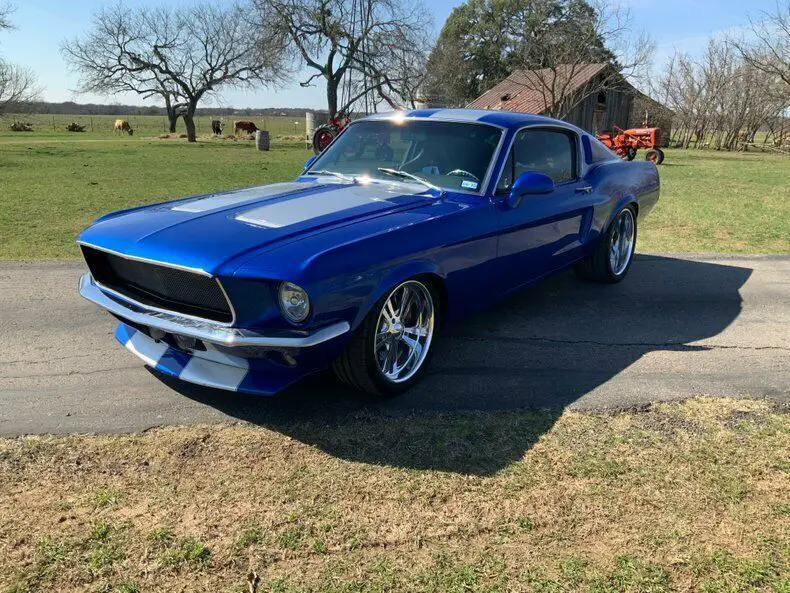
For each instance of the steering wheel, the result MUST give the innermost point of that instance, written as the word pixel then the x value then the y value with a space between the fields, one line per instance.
pixel 463 173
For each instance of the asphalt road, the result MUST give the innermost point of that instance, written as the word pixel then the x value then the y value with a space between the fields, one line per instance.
pixel 677 327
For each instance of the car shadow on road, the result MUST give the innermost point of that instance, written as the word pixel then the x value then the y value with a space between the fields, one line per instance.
pixel 502 378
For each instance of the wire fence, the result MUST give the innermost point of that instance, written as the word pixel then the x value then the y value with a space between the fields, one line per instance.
pixel 151 125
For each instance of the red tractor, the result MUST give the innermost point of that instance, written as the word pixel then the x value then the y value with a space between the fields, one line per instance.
pixel 626 142
pixel 323 135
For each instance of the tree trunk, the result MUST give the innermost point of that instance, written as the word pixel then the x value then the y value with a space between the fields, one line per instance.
pixel 331 97
pixel 189 120
pixel 172 118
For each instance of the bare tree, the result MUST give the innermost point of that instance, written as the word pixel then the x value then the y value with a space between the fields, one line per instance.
pixel 181 55
pixel 17 84
pixel 720 99
pixel 105 57
pixel 406 73
pixel 768 50
pixel 359 47
pixel 5 12
pixel 557 64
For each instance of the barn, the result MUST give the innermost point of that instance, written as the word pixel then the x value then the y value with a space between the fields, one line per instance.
pixel 594 96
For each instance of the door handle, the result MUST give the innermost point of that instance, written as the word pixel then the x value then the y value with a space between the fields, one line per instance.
pixel 587 189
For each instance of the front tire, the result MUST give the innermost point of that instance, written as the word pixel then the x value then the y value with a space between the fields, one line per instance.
pixel 613 255
pixel 391 349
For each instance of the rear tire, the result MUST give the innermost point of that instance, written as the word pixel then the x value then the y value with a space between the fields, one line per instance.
pixel 630 154
pixel 601 266
pixel 322 137
pixel 655 154
pixel 360 365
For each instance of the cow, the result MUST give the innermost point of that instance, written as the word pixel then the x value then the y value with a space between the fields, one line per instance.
pixel 247 127
pixel 216 127
pixel 121 125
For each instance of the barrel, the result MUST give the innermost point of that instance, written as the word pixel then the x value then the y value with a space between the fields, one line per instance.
pixel 262 139
pixel 314 120
pixel 309 120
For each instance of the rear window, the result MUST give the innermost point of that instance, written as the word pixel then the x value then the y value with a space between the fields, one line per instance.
pixel 599 152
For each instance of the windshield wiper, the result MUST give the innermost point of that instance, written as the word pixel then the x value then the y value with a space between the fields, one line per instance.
pixel 333 174
pixel 406 175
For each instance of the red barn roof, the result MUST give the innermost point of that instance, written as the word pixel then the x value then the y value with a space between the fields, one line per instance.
pixel 521 91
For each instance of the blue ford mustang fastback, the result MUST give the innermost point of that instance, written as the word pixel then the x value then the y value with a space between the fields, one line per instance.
pixel 407 222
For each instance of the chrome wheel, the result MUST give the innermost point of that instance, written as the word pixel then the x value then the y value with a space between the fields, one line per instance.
pixel 404 331
pixel 621 245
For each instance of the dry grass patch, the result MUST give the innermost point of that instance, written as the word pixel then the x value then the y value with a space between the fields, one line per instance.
pixel 688 496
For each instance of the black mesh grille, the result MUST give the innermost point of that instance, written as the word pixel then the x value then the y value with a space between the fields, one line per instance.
pixel 159 286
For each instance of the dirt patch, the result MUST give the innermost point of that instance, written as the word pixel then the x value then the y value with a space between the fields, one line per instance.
pixel 170 137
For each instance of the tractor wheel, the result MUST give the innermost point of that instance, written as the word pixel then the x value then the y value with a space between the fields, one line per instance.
pixel 322 137
pixel 630 154
pixel 655 154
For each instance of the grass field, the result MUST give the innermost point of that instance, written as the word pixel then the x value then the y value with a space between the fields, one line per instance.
pixel 52 184
pixel 680 497
pixel 51 189
pixel 720 201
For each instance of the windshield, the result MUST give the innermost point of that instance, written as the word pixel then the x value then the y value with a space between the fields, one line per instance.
pixel 450 155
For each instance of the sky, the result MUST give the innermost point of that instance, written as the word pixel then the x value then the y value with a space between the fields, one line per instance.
pixel 41 25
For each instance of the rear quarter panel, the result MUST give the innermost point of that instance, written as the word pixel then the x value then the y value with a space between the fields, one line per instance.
pixel 623 183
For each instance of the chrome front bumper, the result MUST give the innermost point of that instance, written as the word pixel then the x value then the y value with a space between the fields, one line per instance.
pixel 204 330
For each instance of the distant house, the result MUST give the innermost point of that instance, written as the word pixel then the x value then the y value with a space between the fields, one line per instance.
pixel 595 97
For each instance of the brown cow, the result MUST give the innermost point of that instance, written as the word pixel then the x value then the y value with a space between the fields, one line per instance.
pixel 121 125
pixel 247 127
pixel 216 126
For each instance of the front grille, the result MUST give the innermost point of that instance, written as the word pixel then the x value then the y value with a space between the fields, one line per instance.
pixel 158 286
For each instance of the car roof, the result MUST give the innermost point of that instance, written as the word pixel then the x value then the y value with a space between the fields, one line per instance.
pixel 504 119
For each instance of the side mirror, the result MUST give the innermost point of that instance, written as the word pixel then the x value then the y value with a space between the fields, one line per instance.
pixel 528 183
pixel 309 162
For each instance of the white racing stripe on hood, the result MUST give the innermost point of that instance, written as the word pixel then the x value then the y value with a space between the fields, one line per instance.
pixel 300 209
pixel 224 200
pixel 460 114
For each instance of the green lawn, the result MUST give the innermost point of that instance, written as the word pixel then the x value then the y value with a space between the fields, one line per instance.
pixel 52 184
pixel 51 188
pixel 718 201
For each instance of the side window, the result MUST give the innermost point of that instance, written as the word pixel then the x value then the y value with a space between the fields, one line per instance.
pixel 545 151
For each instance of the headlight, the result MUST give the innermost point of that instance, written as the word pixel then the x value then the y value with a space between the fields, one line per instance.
pixel 294 302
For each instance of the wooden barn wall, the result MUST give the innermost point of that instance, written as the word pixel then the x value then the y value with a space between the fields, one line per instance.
pixel 582 114
pixel 618 109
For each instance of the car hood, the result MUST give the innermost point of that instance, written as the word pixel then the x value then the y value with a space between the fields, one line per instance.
pixel 218 232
